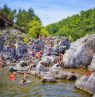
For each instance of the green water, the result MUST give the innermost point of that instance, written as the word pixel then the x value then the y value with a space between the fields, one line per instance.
pixel 36 88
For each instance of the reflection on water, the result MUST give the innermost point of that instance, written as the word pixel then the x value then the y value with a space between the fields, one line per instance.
pixel 36 88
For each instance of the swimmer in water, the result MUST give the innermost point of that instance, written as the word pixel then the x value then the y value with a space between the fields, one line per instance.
pixel 12 76
pixel 24 79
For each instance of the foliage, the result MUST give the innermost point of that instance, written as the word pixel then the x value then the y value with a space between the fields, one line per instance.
pixel 24 17
pixel 75 26
pixel 21 19
pixel 26 39
pixel 10 14
pixel 35 29
pixel 44 32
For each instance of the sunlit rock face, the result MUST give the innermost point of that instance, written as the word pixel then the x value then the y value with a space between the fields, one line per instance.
pixel 86 83
pixel 92 65
pixel 81 52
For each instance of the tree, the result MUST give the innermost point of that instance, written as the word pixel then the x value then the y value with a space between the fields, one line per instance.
pixel 24 17
pixel 75 26
pixel 35 29
pixel 7 12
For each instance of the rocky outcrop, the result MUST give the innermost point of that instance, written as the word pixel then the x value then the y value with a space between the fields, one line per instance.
pixel 86 83
pixel 80 52
pixel 52 72
pixel 63 46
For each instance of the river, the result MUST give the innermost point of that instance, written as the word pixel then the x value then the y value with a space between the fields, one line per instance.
pixel 36 88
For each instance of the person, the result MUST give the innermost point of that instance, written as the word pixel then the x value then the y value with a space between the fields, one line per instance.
pixel 38 54
pixel 12 76
pixel 24 79
pixel 88 73
pixel 1 61
pixel 30 67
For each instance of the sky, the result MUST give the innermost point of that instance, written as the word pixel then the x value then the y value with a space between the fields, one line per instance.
pixel 51 11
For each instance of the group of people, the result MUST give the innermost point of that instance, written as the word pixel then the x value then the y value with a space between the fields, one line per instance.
pixel 32 51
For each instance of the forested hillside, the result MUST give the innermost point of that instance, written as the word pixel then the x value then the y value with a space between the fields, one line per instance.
pixel 75 26
pixel 72 27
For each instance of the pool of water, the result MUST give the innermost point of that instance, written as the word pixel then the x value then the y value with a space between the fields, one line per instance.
pixel 36 88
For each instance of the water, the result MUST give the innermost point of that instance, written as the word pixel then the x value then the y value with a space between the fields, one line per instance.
pixel 36 88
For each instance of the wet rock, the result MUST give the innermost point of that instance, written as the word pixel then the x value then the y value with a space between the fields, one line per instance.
pixel 80 52
pixel 58 73
pixel 48 78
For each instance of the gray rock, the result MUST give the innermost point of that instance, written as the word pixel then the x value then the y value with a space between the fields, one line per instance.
pixel 21 66
pixel 92 65
pixel 94 95
pixel 86 83
pixel 48 78
pixel 71 76
pixel 1 43
pixel 80 52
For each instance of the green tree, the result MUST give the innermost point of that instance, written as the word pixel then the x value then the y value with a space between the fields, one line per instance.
pixel 75 26
pixel 24 17
pixel 34 28
pixel 6 11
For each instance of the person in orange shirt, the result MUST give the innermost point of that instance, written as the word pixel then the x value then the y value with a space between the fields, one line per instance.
pixel 12 76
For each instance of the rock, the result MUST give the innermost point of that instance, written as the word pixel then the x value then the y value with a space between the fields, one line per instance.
pixel 63 46
pixel 39 45
pixel 94 95
pixel 11 69
pixel 62 75
pixel 54 71
pixel 48 78
pixel 92 65
pixel 80 52
pixel 39 68
pixel 86 83
pixel 1 43
pixel 21 66
pixel 71 76
pixel 56 66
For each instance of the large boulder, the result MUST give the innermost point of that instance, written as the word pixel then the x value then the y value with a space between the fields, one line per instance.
pixel 80 52
pixel 86 83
